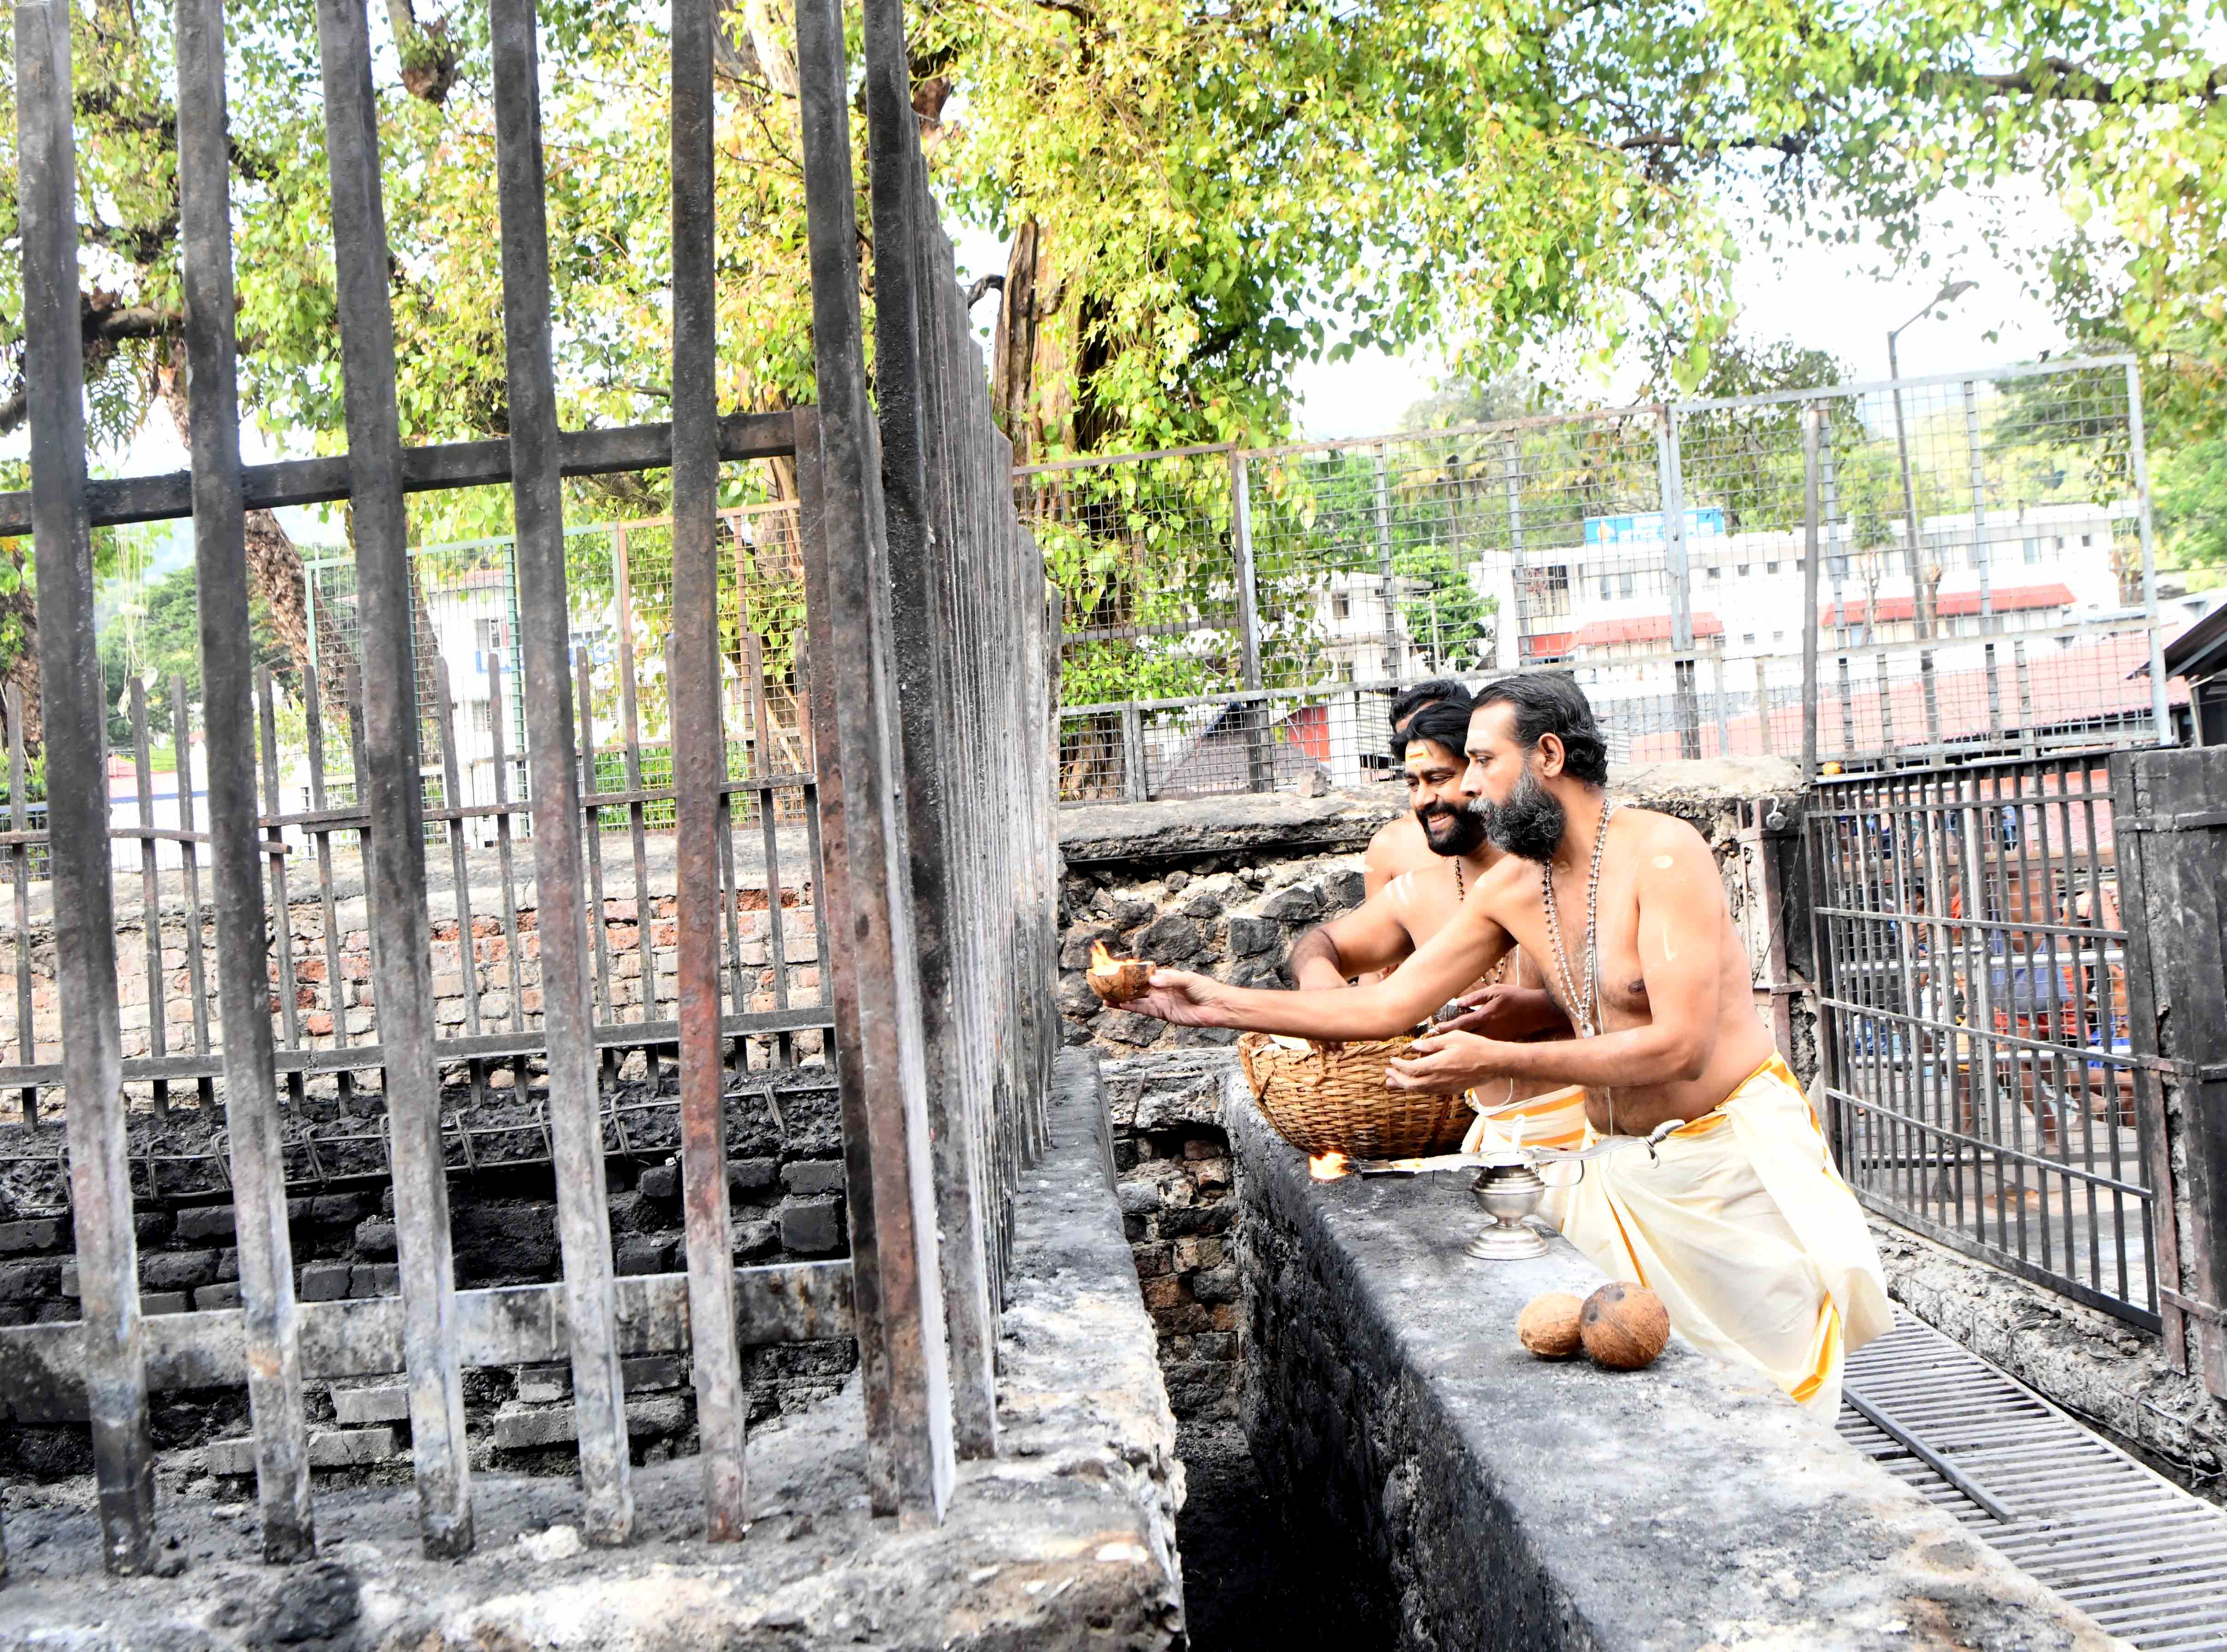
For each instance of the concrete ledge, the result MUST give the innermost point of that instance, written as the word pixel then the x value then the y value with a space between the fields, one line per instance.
pixel 1513 1502
pixel 1065 1540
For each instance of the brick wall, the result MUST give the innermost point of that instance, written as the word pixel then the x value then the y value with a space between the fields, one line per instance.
pixel 786 1177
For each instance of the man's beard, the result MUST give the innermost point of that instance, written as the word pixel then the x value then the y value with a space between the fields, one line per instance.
pixel 1530 824
pixel 1450 832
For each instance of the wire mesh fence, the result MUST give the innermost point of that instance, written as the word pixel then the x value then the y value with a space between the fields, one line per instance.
pixel 479 869
pixel 1981 582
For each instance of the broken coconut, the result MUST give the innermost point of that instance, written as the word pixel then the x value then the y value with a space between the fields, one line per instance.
pixel 1116 980
pixel 1548 1325
pixel 1623 1326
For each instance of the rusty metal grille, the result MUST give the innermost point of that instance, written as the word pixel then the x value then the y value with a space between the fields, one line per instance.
pixel 1985 1086
pixel 922 830
pixel 2146 1559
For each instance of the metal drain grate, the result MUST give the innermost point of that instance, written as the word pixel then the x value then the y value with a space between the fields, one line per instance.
pixel 2146 1558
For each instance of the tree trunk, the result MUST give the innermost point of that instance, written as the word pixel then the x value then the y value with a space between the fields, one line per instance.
pixel 275 571
pixel 1030 390
pixel 19 627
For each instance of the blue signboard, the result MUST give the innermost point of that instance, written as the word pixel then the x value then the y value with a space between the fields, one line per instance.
pixel 1704 523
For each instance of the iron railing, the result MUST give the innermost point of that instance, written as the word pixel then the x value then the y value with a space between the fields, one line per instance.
pixel 1971 555
pixel 1986 1083
pixel 933 889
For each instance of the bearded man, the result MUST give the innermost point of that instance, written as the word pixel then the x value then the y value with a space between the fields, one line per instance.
pixel 1511 1001
pixel 1737 1219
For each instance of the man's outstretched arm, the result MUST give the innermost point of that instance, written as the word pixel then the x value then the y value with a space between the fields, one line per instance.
pixel 1452 959
pixel 1371 937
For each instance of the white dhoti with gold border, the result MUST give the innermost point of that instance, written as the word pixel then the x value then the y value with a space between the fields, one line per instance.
pixel 1738 1220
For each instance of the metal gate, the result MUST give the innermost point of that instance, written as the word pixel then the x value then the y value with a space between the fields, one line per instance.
pixel 1985 1086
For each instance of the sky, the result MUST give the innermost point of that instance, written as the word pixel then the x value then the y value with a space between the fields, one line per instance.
pixel 1821 297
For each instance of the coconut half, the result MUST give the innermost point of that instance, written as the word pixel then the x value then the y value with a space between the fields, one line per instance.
pixel 1116 980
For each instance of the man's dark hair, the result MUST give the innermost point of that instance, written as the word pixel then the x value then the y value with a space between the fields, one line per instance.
pixel 1445 723
pixel 1440 691
pixel 1550 702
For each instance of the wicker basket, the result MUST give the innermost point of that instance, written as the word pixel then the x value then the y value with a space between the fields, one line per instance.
pixel 1334 1101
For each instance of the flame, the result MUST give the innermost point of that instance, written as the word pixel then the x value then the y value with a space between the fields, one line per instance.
pixel 1102 961
pixel 1327 1167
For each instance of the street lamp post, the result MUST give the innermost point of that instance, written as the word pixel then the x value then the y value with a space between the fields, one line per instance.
pixel 1921 591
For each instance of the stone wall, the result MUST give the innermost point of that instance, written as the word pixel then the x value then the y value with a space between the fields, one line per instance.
pixel 1506 1501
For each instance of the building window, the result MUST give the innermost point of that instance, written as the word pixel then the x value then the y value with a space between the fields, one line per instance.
pixel 482 717
pixel 2086 540
pixel 1341 605
pixel 1770 567
pixel 2032 551
pixel 1778 636
pixel 1743 567
pixel 1747 639
pixel 1629 584
pixel 1605 579
pixel 1715 572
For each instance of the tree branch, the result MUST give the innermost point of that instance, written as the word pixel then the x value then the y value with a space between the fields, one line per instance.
pixel 982 284
pixel 1788 144
pixel 2062 80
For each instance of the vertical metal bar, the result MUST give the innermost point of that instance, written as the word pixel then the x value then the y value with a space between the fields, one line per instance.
pixel 150 890
pixel 1762 708
pixel 258 1153
pixel 592 815
pixel 1672 484
pixel 314 717
pixel 2029 740
pixel 2138 458
pixel 190 865
pixel 1921 592
pixel 1511 476
pixel 506 859
pixel 770 826
pixel 77 790
pixel 19 865
pixel 1136 776
pixel 543 635
pixel 1260 768
pixel 460 869
pixel 395 850
pixel 630 719
pixel 1723 711
pixel 282 925
pixel 1813 555
pixel 1983 555
pixel 699 770
pixel 1388 579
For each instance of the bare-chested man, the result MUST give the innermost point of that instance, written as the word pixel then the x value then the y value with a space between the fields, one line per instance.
pixel 1739 1220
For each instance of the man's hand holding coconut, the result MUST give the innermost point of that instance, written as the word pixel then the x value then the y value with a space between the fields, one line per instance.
pixel 1738 1219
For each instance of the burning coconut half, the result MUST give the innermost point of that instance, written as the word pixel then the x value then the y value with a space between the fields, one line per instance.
pixel 1116 980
